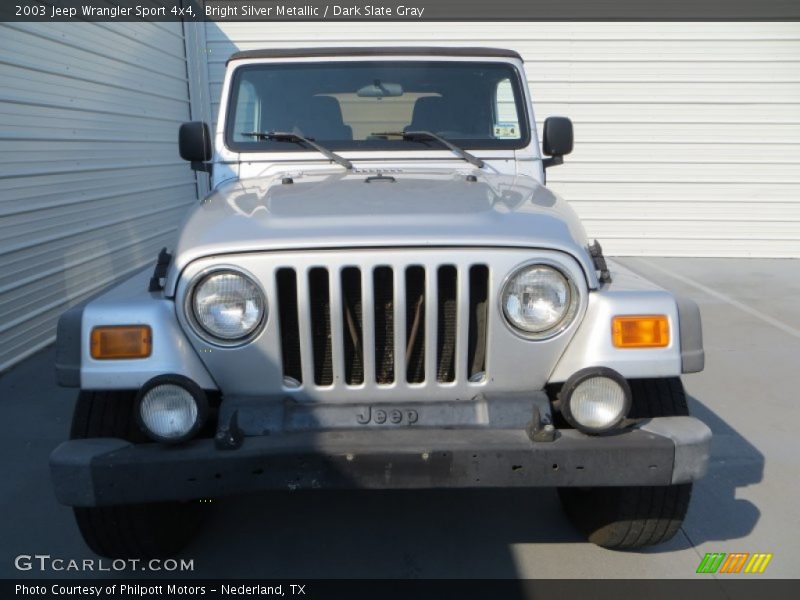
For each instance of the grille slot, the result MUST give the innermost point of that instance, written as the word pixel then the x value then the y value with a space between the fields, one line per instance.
pixel 286 282
pixel 478 315
pixel 415 324
pixel 320 307
pixel 383 294
pixel 447 284
pixel 352 317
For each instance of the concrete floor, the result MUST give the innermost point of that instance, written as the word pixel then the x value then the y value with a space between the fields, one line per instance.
pixel 747 503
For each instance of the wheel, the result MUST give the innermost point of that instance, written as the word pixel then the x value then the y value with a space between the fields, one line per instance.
pixel 635 516
pixel 130 531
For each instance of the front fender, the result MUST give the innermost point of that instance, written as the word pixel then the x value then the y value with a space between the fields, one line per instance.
pixel 128 303
pixel 630 294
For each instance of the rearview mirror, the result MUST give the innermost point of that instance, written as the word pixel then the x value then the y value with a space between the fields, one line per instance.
pixel 378 89
pixel 194 144
pixel 556 140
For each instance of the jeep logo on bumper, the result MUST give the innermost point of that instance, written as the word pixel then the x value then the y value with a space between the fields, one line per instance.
pixel 381 416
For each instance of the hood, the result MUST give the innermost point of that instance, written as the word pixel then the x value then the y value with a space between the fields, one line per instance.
pixel 358 210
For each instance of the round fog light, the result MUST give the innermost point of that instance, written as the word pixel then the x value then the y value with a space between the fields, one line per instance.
pixel 595 400
pixel 171 409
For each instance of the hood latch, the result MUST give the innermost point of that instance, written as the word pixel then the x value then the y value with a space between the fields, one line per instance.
pixel 596 252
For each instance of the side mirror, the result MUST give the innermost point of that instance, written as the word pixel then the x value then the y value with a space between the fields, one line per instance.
pixel 557 140
pixel 194 145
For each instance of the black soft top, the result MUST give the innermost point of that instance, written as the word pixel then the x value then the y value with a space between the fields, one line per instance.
pixel 376 51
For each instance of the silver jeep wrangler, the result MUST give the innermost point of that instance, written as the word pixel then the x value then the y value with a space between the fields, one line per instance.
pixel 379 292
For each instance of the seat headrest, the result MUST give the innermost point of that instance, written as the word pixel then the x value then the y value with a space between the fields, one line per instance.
pixel 430 114
pixel 321 117
pixel 326 108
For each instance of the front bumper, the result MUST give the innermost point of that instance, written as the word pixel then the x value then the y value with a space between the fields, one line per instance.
pixel 107 472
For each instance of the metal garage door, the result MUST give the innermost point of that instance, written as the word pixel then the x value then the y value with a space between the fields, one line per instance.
pixel 687 134
pixel 91 185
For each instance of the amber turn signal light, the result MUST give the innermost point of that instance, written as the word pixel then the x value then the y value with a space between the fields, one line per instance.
pixel 121 341
pixel 640 331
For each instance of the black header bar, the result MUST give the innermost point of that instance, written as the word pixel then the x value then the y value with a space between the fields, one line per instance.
pixel 398 10
pixel 419 589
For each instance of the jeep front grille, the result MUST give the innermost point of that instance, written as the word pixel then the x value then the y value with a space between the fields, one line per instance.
pixel 377 325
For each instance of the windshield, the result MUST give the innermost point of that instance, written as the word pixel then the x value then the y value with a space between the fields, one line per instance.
pixel 364 105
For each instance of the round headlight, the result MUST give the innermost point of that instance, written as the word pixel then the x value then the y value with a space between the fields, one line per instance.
pixel 539 301
pixel 595 400
pixel 228 306
pixel 171 409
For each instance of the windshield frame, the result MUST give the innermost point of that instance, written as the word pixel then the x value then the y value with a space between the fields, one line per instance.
pixel 359 146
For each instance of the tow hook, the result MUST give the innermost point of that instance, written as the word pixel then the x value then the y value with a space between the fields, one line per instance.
pixel 541 429
pixel 231 436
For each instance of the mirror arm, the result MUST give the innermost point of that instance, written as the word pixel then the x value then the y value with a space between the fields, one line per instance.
pixel 552 161
pixel 202 166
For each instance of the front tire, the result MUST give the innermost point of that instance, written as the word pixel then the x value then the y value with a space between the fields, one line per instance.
pixel 145 531
pixel 634 516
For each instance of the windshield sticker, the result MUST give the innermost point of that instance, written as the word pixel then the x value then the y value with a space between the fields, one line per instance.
pixel 506 131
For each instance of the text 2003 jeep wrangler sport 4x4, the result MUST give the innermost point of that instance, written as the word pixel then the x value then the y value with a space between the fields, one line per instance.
pixel 380 292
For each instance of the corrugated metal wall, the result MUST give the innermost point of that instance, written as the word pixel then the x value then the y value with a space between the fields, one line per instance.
pixel 91 185
pixel 687 134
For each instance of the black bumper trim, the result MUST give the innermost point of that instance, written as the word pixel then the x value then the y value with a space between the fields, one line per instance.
pixel 105 472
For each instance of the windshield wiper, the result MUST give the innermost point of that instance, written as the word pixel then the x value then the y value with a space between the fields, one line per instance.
pixel 422 135
pixel 286 136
